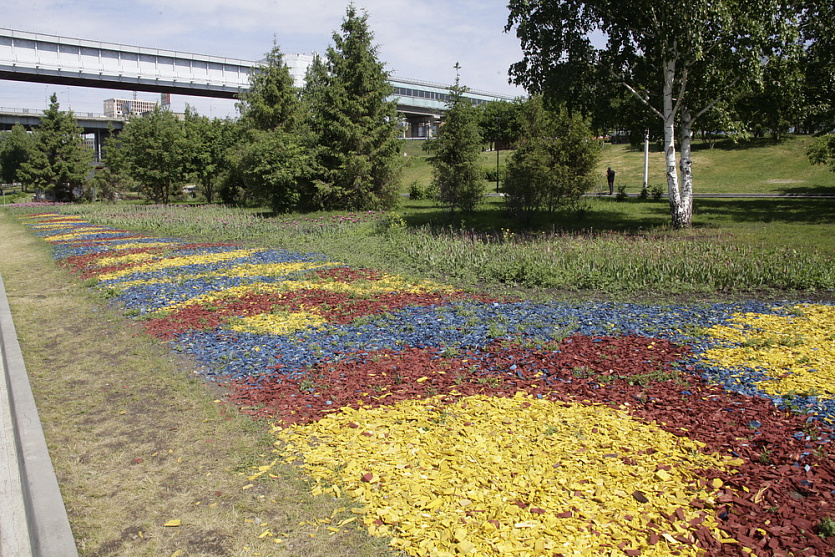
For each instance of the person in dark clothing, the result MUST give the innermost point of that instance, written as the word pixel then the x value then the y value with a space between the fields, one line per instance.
pixel 610 176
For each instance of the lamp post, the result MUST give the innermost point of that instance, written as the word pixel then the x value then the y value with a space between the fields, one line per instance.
pixel 498 135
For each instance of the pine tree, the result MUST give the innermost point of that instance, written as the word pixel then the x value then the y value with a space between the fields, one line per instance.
pixel 272 100
pixel 273 163
pixel 357 126
pixel 60 161
pixel 457 179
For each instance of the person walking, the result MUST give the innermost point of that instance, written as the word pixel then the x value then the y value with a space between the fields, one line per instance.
pixel 610 176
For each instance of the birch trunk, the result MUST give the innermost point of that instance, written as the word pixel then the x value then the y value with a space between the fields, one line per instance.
pixel 669 142
pixel 685 209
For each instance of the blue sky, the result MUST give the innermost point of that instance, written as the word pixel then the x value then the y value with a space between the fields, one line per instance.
pixel 421 39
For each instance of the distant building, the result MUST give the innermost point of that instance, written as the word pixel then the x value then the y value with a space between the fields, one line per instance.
pixel 119 108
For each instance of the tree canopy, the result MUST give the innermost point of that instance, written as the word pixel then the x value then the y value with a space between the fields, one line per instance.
pixel 355 125
pixel 457 178
pixel 154 151
pixel 16 147
pixel 679 59
pixel 59 161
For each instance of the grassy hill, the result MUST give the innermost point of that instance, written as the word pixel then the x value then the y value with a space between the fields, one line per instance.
pixel 757 166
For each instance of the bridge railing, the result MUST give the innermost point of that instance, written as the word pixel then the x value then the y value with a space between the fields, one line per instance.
pixel 39 112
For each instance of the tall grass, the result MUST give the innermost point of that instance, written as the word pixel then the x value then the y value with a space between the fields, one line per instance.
pixel 662 261
pixel 616 263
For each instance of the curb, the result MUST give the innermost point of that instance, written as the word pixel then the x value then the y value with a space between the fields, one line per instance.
pixel 33 519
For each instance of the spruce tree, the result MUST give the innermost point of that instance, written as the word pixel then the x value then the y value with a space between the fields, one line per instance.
pixel 457 179
pixel 357 126
pixel 271 102
pixel 272 162
pixel 60 161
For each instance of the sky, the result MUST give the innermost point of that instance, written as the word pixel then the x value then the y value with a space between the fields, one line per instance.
pixel 418 39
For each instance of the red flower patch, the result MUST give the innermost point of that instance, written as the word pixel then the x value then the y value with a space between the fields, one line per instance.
pixel 209 316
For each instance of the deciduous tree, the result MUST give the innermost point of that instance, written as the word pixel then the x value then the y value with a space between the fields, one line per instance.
pixel 208 141
pixel 677 58
pixel 154 151
pixel 16 147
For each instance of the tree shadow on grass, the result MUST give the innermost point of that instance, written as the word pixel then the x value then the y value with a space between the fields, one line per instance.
pixel 493 217
pixel 777 210
pixel 808 190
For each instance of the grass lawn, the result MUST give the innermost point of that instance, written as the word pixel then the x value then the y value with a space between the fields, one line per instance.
pixel 756 166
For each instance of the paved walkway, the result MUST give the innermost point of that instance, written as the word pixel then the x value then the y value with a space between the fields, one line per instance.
pixel 33 520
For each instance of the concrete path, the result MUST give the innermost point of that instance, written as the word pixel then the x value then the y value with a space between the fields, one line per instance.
pixel 33 520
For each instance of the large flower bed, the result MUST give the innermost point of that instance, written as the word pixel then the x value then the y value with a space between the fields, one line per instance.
pixel 458 424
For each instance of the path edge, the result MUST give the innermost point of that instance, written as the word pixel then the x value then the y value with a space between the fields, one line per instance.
pixel 45 517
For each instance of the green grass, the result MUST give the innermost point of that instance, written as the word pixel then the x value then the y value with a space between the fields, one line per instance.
pixel 417 167
pixel 756 166
pixel 754 247
pixel 760 247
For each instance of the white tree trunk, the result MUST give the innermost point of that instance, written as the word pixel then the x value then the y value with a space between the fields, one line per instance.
pixel 685 209
pixel 669 142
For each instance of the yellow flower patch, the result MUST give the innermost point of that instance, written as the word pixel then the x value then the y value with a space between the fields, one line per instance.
pixel 510 476
pixel 127 258
pixel 231 292
pixel 140 245
pixel 53 217
pixel 170 262
pixel 282 323
pixel 361 288
pixel 270 269
pixel 78 233
pixel 796 351
pixel 51 225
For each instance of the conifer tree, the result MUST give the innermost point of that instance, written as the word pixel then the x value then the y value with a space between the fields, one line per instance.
pixel 271 102
pixel 357 126
pixel 272 161
pixel 457 179
pixel 60 161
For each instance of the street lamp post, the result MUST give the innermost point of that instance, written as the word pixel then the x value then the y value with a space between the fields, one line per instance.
pixel 498 134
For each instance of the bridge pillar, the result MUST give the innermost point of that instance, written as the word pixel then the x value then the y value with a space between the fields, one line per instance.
pixel 421 126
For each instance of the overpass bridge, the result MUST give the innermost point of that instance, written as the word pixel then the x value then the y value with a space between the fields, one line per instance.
pixel 39 58
pixel 96 127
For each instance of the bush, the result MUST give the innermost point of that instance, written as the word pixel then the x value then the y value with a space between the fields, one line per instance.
pixel 551 168
pixel 657 191
pixel 621 196
pixel 416 192
pixel 490 174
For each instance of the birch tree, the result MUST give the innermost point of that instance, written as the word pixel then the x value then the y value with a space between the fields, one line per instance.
pixel 679 59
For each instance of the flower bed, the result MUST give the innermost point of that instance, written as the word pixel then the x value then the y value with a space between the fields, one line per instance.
pixel 456 423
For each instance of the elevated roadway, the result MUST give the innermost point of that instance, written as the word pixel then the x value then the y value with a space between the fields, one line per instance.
pixel 39 58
